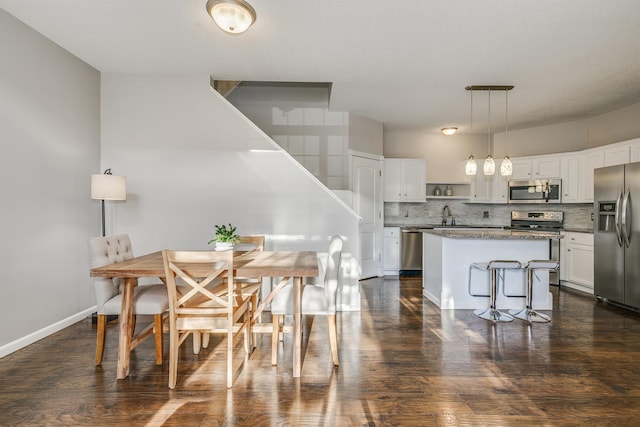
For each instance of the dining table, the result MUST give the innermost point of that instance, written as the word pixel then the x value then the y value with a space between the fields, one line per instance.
pixel 284 265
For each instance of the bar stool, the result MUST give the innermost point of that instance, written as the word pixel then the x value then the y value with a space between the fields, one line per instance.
pixel 492 313
pixel 528 313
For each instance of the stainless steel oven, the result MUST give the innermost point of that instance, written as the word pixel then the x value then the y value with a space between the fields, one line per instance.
pixel 535 191
pixel 542 221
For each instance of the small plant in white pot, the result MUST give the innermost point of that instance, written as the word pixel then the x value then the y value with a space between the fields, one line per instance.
pixel 225 237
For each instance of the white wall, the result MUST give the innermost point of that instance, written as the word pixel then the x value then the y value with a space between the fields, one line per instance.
pixel 49 133
pixel 616 126
pixel 187 156
pixel 556 138
pixel 365 135
pixel 440 151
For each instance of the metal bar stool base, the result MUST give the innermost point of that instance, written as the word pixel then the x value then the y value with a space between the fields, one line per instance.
pixel 493 315
pixel 529 315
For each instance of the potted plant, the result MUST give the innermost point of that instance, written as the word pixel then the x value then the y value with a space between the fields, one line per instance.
pixel 225 237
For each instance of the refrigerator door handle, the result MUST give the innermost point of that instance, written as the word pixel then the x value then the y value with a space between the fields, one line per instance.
pixel 616 219
pixel 626 233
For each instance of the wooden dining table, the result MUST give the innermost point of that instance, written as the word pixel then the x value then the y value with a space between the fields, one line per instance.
pixel 284 265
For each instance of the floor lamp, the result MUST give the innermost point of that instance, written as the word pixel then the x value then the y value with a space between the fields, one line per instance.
pixel 108 187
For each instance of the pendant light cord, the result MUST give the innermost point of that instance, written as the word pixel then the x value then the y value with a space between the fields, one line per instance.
pixel 489 148
pixel 506 117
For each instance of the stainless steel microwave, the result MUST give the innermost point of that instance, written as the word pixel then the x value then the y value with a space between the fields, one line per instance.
pixel 535 191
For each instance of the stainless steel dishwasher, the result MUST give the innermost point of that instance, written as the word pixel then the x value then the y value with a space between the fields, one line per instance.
pixel 410 251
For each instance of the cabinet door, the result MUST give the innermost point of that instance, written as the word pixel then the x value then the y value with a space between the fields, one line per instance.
pixel 570 174
pixel 590 161
pixel 546 167
pixel 392 180
pixel 634 151
pixel 616 155
pixel 414 180
pixel 581 265
pixel 521 169
pixel 500 188
pixel 391 250
pixel 481 186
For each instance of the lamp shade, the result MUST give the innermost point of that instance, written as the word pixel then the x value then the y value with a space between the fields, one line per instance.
pixel 506 167
pixel 489 167
pixel 108 187
pixel 232 16
pixel 471 166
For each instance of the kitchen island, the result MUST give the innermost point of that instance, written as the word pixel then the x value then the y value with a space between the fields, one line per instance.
pixel 448 253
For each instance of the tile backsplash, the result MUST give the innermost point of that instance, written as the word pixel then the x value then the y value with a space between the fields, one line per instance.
pixel 430 213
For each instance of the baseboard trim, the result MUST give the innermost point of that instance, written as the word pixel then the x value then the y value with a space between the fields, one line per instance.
pixel 44 332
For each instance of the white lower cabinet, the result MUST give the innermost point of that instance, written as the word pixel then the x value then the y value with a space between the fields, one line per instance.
pixel 576 259
pixel 391 251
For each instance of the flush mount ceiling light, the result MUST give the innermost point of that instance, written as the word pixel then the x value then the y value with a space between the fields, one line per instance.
pixel 449 131
pixel 489 167
pixel 232 16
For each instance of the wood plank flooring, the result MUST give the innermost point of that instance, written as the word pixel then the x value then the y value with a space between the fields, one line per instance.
pixel 403 363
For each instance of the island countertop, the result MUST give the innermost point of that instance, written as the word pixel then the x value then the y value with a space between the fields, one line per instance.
pixel 492 234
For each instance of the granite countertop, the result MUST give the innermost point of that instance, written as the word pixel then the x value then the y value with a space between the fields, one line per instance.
pixel 431 226
pixel 578 230
pixel 493 234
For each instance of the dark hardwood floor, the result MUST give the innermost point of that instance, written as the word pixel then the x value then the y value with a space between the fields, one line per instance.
pixel 403 363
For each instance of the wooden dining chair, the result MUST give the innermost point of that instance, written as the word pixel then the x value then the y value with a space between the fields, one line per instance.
pixel 318 300
pixel 245 287
pixel 147 299
pixel 204 303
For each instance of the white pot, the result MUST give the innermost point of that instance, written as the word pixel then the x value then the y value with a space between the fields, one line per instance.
pixel 224 246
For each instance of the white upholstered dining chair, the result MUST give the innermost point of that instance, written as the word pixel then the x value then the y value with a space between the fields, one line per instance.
pixel 204 303
pixel 147 300
pixel 318 300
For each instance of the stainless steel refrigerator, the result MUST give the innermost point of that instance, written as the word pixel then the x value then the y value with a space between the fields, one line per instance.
pixel 617 234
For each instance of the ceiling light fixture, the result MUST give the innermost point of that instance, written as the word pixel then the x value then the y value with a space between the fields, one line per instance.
pixel 232 16
pixel 449 131
pixel 489 166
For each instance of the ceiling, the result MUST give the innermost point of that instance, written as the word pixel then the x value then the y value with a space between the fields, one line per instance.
pixel 403 63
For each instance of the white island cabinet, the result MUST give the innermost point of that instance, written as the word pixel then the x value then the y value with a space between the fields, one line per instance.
pixel 447 255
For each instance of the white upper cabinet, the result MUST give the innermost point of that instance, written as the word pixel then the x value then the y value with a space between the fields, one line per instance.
pixel 618 155
pixel 536 167
pixel 570 175
pixel 591 159
pixel 634 151
pixel 521 168
pixel 500 186
pixel 404 180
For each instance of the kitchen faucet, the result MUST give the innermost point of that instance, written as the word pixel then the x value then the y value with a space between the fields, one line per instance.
pixel 446 212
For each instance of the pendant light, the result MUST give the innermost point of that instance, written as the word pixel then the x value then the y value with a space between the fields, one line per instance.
pixel 489 167
pixel 506 167
pixel 471 167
